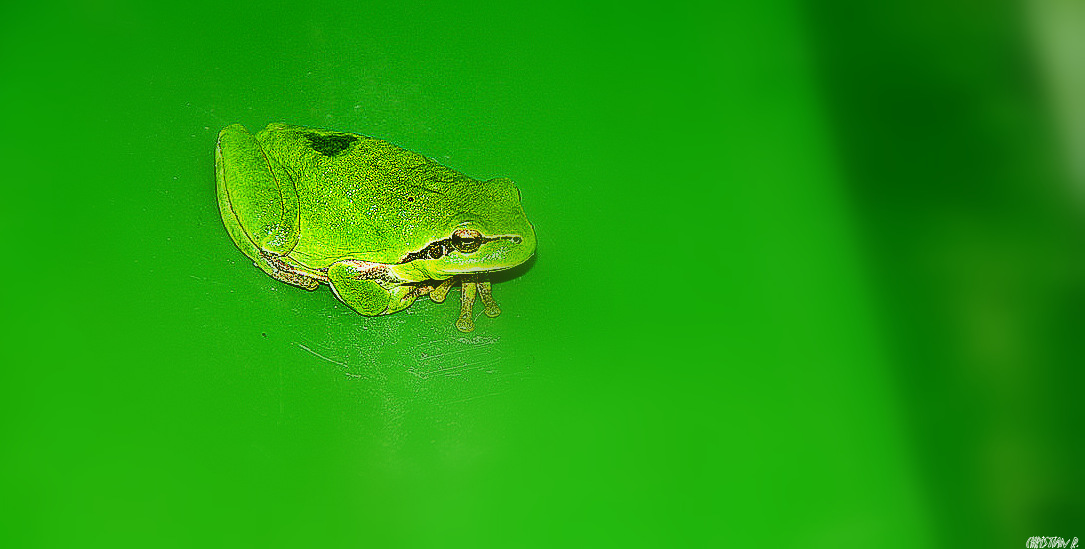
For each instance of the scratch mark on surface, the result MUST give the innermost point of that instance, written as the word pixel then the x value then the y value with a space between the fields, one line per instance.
pixel 479 341
pixel 451 371
pixel 428 356
pixel 455 370
pixel 343 365
pixel 474 345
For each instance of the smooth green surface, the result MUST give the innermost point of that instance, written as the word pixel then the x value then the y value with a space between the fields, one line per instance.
pixel 713 346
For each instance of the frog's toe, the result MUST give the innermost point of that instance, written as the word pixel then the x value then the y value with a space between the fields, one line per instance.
pixel 465 323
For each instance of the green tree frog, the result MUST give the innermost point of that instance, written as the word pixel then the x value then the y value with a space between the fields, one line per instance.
pixel 379 224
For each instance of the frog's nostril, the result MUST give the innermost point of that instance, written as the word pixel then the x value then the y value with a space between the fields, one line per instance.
pixel 517 240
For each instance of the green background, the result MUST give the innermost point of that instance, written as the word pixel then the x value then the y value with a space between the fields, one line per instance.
pixel 807 276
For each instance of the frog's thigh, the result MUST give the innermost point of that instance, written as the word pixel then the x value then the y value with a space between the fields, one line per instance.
pixel 367 288
pixel 260 203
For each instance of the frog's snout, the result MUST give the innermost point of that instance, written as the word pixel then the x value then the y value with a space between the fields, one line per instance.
pixel 522 244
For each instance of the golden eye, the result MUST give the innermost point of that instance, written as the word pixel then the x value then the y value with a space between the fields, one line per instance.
pixel 466 245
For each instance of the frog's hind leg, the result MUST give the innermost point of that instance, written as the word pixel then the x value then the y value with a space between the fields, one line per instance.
pixel 279 270
pixel 266 261
pixel 258 204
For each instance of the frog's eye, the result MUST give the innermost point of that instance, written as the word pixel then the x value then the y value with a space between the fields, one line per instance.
pixel 466 245
pixel 466 241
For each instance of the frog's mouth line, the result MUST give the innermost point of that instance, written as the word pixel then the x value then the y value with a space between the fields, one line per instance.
pixel 463 241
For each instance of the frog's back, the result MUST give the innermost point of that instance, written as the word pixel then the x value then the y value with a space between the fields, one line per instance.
pixel 360 197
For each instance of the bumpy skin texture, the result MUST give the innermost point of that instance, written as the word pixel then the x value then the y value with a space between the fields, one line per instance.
pixel 380 224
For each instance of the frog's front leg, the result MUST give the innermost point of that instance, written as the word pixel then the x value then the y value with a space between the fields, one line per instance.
pixel 472 284
pixel 371 289
pixel 439 293
pixel 492 310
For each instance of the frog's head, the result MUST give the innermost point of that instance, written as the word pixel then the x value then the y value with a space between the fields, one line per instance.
pixel 487 232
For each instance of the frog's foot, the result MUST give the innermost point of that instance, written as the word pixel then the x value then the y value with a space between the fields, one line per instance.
pixel 472 285
pixel 277 269
pixel 370 288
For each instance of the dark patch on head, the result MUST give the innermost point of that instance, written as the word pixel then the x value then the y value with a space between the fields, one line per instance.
pixel 330 144
pixel 410 199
